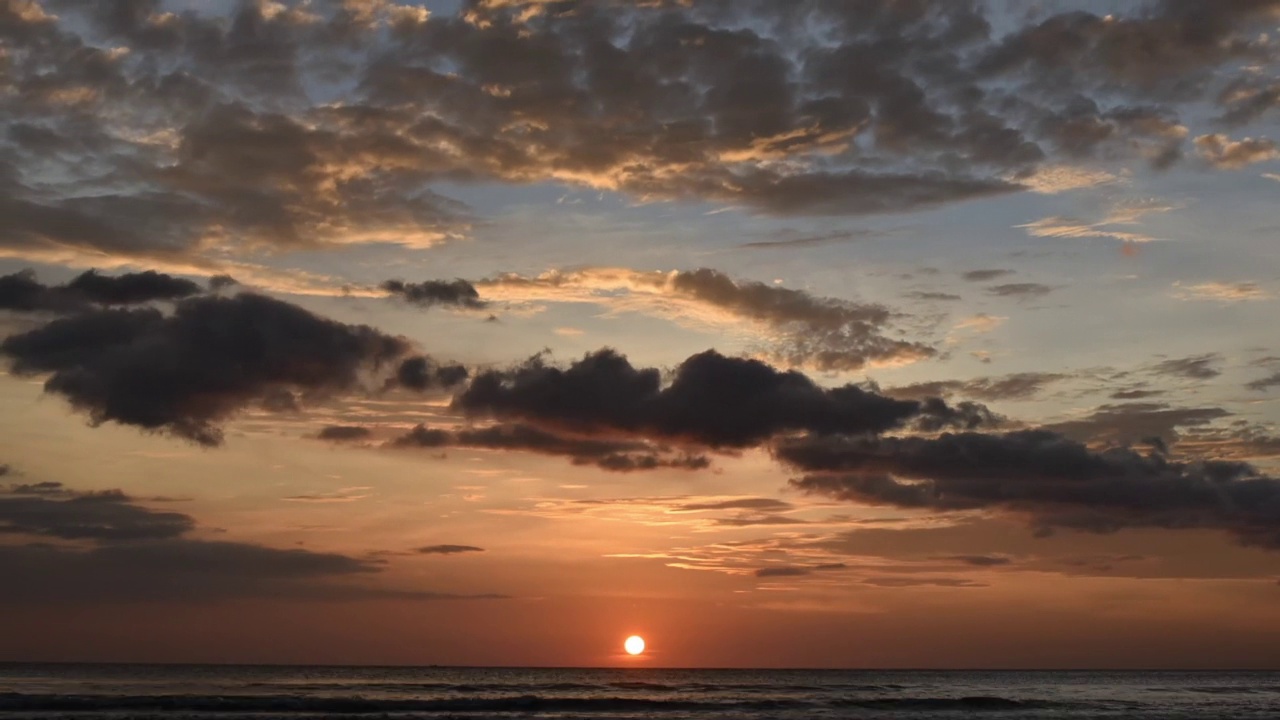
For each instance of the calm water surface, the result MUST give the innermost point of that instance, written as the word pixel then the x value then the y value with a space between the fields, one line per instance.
pixel 228 692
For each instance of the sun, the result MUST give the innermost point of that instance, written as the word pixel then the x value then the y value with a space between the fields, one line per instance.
pixel 634 645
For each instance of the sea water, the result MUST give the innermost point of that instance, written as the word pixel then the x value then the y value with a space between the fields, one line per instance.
pixel 227 692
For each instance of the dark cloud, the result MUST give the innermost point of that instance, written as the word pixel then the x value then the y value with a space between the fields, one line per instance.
pixel 344 433
pixel 823 333
pixel 131 288
pixel 50 510
pixel 422 373
pixel 1020 290
pixel 448 549
pixel 1128 423
pixel 933 296
pixel 184 373
pixel 978 560
pixel 713 400
pixel 222 282
pixel 117 550
pixel 209 127
pixel 984 275
pixel 793 240
pixel 1055 481
pixel 754 504
pixel 1265 383
pixel 1019 386
pixel 612 455
pixel 1135 394
pixel 431 293
pixel 758 520
pixel 22 292
pixel 1195 367
pixel 804 330
pixel 782 571
pixel 905 582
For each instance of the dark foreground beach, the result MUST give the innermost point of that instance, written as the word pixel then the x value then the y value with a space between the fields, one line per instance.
pixel 226 692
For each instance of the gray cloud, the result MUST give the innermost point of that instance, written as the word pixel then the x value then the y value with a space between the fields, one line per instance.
pixel 711 399
pixel 611 455
pixel 984 275
pixel 210 126
pixel 805 330
pixel 117 550
pixel 1128 423
pixel 1054 481
pixel 422 373
pixel 1265 383
pixel 431 293
pixel 344 433
pixel 184 373
pixel 1020 290
pixel 23 293
pixel 978 560
pixel 1195 367
pixel 49 509
pixel 933 296
pixel 1018 386
pixel 448 549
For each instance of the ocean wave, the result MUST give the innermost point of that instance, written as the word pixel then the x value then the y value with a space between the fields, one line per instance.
pixel 974 702
pixel 16 702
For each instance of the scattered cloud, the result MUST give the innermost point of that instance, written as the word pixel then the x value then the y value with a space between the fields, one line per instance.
pixel 1020 290
pixel 1054 481
pixel 797 328
pixel 448 549
pixel 983 275
pixel 185 372
pixel 1226 154
pixel 1223 291
pixel 432 293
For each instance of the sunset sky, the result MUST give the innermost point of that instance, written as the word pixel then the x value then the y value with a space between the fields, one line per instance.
pixel 784 333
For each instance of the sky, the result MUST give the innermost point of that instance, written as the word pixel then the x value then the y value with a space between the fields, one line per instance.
pixel 812 333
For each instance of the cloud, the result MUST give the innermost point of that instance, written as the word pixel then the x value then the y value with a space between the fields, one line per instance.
pixel 1119 216
pixel 450 293
pixel 174 135
pixel 1018 386
pixel 782 571
pixel 50 510
pixel 794 240
pixel 981 323
pixel 185 372
pixel 1054 481
pixel 982 275
pixel 1223 292
pixel 447 549
pixel 21 291
pixel 421 373
pixel 1136 422
pixel 611 455
pixel 978 560
pixel 799 329
pixel 1224 153
pixel 1194 367
pixel 933 296
pixel 113 549
pixel 1020 290
pixel 905 582
pixel 1265 383
pixel 711 399
pixel 344 433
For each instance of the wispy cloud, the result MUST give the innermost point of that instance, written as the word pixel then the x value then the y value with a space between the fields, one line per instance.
pixel 1222 291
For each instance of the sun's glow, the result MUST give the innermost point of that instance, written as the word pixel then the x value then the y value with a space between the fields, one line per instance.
pixel 634 645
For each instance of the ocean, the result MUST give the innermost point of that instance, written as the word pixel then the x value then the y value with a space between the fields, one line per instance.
pixel 226 692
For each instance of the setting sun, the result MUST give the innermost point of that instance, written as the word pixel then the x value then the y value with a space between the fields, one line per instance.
pixel 634 645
